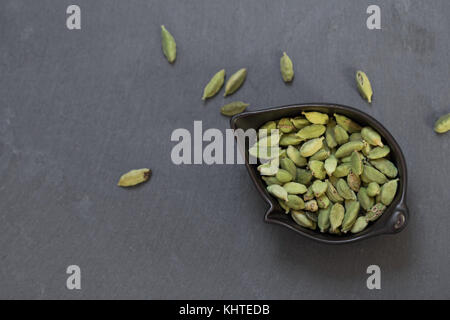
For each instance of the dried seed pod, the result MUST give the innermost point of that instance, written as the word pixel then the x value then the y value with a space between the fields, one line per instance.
pixel 311 147
pixel 311 205
pixel 294 154
pixel 360 224
pixel 340 135
pixel 371 136
pixel 353 181
pixel 364 86
pixel 442 125
pixel 337 214
pixel 344 190
pixel 388 191
pixel 378 152
pixel 134 177
pixel 302 220
pixel 316 117
pixel 168 45
pixel 214 85
pixel 386 167
pixel 347 149
pixel 371 174
pixel 295 202
pixel 295 188
pixel 287 68
pixel 373 189
pixel 375 212
pixel 235 82
pixel 283 176
pixel 317 169
pixel 319 188
pixel 312 131
pixel 332 193
pixel 278 191
pixel 348 124
pixel 351 214
pixel 364 199
pixel 233 108
pixel 323 220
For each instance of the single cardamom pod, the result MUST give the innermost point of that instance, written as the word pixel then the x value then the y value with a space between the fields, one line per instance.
pixel 388 191
pixel 316 117
pixel 290 139
pixel 311 147
pixel 319 188
pixel 357 163
pixel 371 136
pixel 373 189
pixel 214 85
pixel 332 193
pixel 340 135
pixel 371 174
pixel 375 212
pixel 134 177
pixel 312 131
pixel 337 214
pixel 442 124
pixel 278 191
pixel 348 124
pixel 233 108
pixel 235 81
pixel 289 165
pixel 294 154
pixel 364 86
pixel 344 190
pixel 285 125
pixel 323 220
pixel 347 149
pixel 330 165
pixel 311 205
pixel 302 220
pixel 364 199
pixel 295 188
pixel 378 152
pixel 317 168
pixel 300 122
pixel 342 170
pixel 304 176
pixel 385 166
pixel 168 45
pixel 360 224
pixel 351 214
pixel 353 181
pixel 287 68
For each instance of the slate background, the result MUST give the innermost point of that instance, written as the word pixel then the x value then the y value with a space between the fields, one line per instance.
pixel 79 108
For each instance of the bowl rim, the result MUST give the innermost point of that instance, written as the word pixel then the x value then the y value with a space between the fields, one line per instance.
pixel 396 216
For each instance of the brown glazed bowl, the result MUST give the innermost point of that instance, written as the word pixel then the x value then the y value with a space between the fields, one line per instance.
pixel 394 218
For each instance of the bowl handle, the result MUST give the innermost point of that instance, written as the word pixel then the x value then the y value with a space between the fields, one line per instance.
pixel 398 220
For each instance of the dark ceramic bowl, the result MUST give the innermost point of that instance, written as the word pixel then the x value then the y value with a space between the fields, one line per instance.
pixel 394 218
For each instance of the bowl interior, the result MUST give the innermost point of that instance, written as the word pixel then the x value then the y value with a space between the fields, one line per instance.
pixel 275 214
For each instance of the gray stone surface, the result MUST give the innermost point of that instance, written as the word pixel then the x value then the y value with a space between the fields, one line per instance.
pixel 78 108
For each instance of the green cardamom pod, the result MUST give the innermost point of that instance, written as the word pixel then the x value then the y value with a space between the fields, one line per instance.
pixel 304 176
pixel 316 117
pixel 364 86
pixel 375 212
pixel 283 176
pixel 313 216
pixel 233 108
pixel 371 174
pixel 340 135
pixel 348 124
pixel 278 191
pixel 312 131
pixel 344 190
pixel 302 220
pixel 373 189
pixel 309 195
pixel 353 181
pixel 311 147
pixel 311 205
pixel 330 165
pixel 134 177
pixel 323 202
pixel 364 199
pixel 300 122
pixel 332 193
pixel 378 152
pixel 235 82
pixel 442 124
pixel 323 220
pixel 285 125
pixel 290 139
pixel 321 155
pixel 287 68
pixel 295 188
pixel 294 154
pixel 329 136
pixel 317 168
pixel 360 224
pixel 337 214
pixel 266 129
pixel 288 165
pixel 284 206
pixel 168 45
pixel 356 136
pixel 388 191
pixel 385 166
pixel 342 170
pixel 357 163
pixel 214 85
pixel 319 188
pixel 347 149
pixel 371 136
pixel 271 180
pixel 295 202
pixel 351 214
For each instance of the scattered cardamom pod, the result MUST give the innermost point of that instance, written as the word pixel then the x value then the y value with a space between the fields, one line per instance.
pixel 134 177
pixel 233 108
pixel 214 85
pixel 442 124
pixel 287 68
pixel 364 86
pixel 235 82
pixel 168 45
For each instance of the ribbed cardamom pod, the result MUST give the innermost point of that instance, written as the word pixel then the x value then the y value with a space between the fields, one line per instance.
pixel 287 68
pixel 235 82
pixel 168 45
pixel 214 85
pixel 364 86
pixel 134 177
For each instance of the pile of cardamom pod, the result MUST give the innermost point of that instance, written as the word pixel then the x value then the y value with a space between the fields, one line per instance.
pixel 330 174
